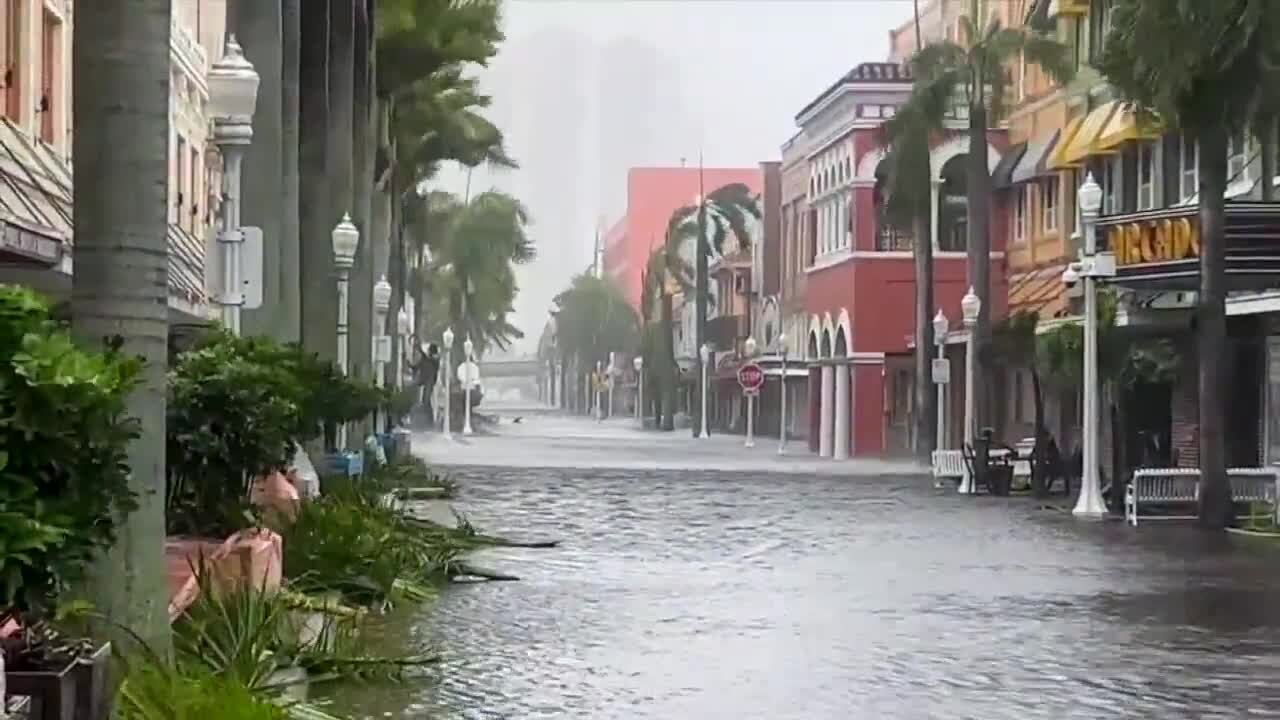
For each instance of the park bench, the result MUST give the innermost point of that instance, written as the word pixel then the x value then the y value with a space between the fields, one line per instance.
pixel 1181 486
pixel 948 464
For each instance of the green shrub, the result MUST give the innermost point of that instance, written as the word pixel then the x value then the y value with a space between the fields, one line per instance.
pixel 64 434
pixel 237 406
pixel 153 691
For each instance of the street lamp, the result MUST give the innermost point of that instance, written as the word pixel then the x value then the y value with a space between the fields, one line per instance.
pixel 749 348
pixel 1091 266
pixel 609 379
pixel 346 239
pixel 638 364
pixel 940 328
pixel 381 341
pixel 704 353
pixel 402 325
pixel 782 419
pixel 468 348
pixel 448 383
pixel 970 306
pixel 233 94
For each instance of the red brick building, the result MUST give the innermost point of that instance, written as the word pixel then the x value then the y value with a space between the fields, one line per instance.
pixel 859 288
pixel 653 193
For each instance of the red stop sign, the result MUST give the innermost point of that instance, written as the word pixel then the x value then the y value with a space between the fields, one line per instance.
pixel 751 377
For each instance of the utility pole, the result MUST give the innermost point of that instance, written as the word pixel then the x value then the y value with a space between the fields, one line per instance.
pixel 700 289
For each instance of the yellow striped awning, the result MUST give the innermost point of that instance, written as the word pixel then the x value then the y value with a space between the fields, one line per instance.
pixel 1125 125
pixel 1083 142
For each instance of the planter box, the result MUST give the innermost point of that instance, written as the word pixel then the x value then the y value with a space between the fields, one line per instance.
pixel 349 464
pixel 91 685
pixel 52 692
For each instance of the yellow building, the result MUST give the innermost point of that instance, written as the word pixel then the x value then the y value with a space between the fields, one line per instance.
pixel 35 146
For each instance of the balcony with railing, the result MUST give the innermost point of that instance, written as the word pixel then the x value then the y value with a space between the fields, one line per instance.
pixel 891 239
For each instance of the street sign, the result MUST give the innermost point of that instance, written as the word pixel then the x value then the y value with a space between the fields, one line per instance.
pixel 941 371
pixel 468 374
pixel 750 377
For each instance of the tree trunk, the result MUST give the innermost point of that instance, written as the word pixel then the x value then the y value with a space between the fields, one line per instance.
pixel 1216 511
pixel 258 25
pixel 362 277
pixel 1038 486
pixel 670 370
pixel 382 229
pixel 319 310
pixel 289 326
pixel 979 216
pixel 926 413
pixel 339 151
pixel 120 139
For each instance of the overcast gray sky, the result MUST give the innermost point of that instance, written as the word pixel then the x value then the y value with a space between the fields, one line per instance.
pixel 585 89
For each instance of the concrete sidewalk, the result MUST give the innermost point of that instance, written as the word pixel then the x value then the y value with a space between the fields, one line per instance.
pixel 547 439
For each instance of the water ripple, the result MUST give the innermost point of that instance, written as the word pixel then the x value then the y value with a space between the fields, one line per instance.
pixel 740 596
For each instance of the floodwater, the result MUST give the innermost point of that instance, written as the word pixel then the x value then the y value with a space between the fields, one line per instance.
pixel 741 595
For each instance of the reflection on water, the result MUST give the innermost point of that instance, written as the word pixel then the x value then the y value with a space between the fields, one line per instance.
pixel 703 596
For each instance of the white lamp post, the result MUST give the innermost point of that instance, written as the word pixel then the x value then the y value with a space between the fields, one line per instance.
pixel 638 364
pixel 609 379
pixel 782 415
pixel 468 348
pixel 1091 266
pixel 749 347
pixel 940 328
pixel 596 392
pixel 233 95
pixel 381 341
pixel 346 239
pixel 448 382
pixel 402 325
pixel 704 353
pixel 970 306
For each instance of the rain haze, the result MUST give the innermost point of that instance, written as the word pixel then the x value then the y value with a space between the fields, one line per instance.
pixel 585 89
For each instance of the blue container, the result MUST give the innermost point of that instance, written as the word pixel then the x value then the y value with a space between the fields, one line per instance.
pixel 350 464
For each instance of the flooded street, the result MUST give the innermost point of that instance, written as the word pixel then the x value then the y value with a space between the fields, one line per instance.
pixel 764 594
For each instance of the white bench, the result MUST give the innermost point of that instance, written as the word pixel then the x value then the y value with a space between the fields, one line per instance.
pixel 1182 486
pixel 948 464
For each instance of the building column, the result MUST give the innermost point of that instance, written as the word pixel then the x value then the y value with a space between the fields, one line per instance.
pixel 827 402
pixel 843 397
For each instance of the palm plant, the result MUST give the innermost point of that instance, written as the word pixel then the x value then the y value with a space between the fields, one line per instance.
pixel 593 319
pixel 1197 65
pixel 722 213
pixel 666 275
pixel 470 282
pixel 120 58
pixel 974 70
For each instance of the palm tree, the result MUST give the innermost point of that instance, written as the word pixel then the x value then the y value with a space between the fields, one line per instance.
pixel 470 282
pixel 289 325
pixel 120 58
pixel 593 319
pixel 1198 66
pixel 976 69
pixel 666 274
pixel 723 212
pixel 909 196
pixel 258 26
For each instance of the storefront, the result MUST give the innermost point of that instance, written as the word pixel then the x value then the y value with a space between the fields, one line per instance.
pixel 1157 277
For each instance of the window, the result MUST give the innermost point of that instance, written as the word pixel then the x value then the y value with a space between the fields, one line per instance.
pixel 1020 215
pixel 194 212
pixel 1189 167
pixel 1112 185
pixel 12 59
pixel 1148 174
pixel 1049 204
pixel 1100 17
pixel 180 183
pixel 888 111
pixel 48 60
pixel 1236 156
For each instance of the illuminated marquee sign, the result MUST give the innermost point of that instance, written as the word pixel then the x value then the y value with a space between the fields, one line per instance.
pixel 1154 241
